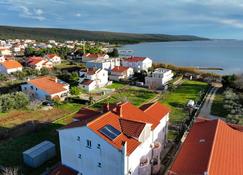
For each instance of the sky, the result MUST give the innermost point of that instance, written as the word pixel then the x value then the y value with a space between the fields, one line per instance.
pixel 221 19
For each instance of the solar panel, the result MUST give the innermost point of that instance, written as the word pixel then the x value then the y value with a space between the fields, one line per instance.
pixel 110 132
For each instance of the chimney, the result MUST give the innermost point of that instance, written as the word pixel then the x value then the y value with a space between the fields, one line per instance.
pixel 106 107
pixel 119 110
pixel 56 80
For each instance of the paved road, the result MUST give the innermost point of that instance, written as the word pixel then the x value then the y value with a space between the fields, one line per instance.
pixel 206 109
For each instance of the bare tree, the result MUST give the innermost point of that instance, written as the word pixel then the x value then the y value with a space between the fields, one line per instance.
pixel 10 171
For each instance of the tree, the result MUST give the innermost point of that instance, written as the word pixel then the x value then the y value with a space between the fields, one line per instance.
pixel 74 79
pixel 114 53
pixel 10 171
pixel 75 90
pixel 44 71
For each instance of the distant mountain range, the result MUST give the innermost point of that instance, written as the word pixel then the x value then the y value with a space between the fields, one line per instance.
pixel 10 32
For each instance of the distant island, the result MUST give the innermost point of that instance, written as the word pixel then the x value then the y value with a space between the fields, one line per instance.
pixel 10 32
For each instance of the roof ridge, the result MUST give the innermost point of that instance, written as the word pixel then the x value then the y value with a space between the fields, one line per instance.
pixel 98 118
pixel 213 145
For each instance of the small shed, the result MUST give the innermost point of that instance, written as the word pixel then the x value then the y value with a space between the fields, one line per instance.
pixel 191 103
pixel 37 155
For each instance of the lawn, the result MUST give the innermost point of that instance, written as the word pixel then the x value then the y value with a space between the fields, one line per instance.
pixel 135 95
pixel 178 98
pixel 116 85
pixel 218 103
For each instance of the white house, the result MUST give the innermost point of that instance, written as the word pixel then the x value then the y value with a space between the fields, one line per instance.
pixel 137 63
pixel 93 78
pixel 55 59
pixel 2 58
pixel 121 72
pixel 46 88
pixel 5 51
pixel 10 66
pixel 91 56
pixel 159 78
pixel 123 140
pixel 106 64
pixel 38 63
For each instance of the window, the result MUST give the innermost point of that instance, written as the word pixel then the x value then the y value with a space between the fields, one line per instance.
pixel 99 164
pixel 32 87
pixel 98 146
pixel 80 156
pixel 89 143
pixel 78 138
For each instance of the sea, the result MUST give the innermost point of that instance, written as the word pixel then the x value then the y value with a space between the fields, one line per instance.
pixel 224 54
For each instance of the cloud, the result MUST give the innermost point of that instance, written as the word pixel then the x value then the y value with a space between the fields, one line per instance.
pixel 78 14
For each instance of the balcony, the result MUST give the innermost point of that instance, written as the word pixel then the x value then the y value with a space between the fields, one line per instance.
pixel 144 167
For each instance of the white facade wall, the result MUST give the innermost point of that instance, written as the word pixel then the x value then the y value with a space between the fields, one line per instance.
pixel 158 79
pixel 104 64
pixel 9 71
pixel 116 76
pixel 111 159
pixel 140 65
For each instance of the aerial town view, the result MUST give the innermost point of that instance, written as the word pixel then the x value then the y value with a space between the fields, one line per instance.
pixel 108 87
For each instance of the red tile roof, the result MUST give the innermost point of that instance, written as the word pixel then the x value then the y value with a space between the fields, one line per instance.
pixel 132 128
pixel 11 64
pixel 50 56
pixel 87 82
pixel 63 170
pixel 119 69
pixel 93 55
pixel 34 60
pixel 211 147
pixel 135 59
pixel 48 84
pixel 86 114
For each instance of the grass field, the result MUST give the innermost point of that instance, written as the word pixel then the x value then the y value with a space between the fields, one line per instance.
pixel 16 117
pixel 116 85
pixel 135 95
pixel 178 98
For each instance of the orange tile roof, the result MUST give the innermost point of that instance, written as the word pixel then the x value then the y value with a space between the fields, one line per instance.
pixel 211 147
pixel 119 69
pixel 130 121
pixel 113 120
pixel 11 64
pixel 153 116
pixel 48 84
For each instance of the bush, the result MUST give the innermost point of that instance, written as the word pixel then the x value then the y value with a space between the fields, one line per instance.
pixel 75 90
pixel 16 100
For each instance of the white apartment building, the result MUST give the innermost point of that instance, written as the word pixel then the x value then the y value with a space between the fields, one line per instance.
pixel 159 78
pixel 123 140
pixel 137 63
pixel 93 78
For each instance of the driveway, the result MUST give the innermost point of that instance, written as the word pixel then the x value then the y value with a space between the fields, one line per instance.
pixel 206 109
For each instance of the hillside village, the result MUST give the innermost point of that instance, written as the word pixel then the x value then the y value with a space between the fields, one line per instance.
pixel 83 108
